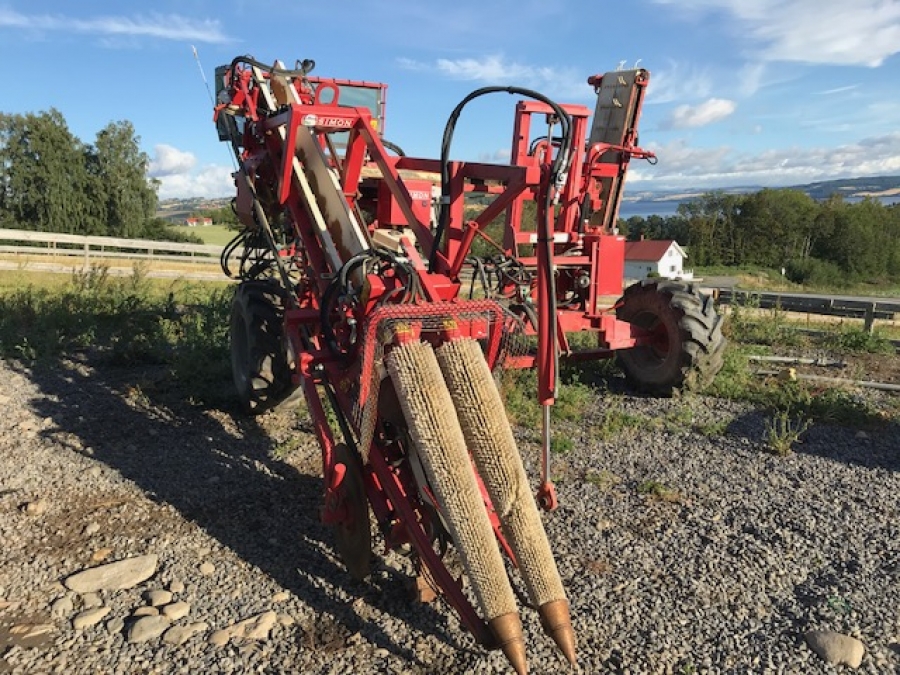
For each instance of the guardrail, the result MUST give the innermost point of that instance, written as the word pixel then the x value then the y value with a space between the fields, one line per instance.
pixel 867 310
pixel 87 247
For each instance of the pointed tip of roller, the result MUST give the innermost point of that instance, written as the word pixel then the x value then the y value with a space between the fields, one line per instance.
pixel 556 623
pixel 507 628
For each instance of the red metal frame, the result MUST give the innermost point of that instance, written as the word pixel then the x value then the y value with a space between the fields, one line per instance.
pixel 586 259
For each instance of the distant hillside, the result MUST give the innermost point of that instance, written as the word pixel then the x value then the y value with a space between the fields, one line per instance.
pixel 179 209
pixel 874 186
pixel 871 186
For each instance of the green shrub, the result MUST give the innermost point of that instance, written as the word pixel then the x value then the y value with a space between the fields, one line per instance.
pixel 857 340
pixel 783 432
pixel 125 321
pixel 815 272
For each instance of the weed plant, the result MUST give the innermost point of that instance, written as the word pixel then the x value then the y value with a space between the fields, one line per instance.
pixel 519 389
pixel 659 491
pixel 123 321
pixel 783 432
pixel 772 328
pixel 856 340
pixel 798 400
pixel 602 480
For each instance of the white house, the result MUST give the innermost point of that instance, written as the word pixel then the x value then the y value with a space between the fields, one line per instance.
pixel 662 257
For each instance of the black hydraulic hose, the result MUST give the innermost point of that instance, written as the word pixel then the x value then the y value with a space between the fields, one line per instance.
pixel 553 141
pixel 557 168
pixel 393 147
pixel 557 179
pixel 229 249
pixel 341 280
pixel 306 67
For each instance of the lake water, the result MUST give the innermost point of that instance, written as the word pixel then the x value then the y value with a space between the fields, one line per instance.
pixel 645 209
pixel 664 209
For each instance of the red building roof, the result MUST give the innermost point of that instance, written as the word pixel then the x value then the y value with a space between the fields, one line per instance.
pixel 651 250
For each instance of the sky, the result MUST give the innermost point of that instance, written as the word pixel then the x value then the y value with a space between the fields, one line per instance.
pixel 741 93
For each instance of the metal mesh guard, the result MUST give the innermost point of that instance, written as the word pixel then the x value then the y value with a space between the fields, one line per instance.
pixel 499 332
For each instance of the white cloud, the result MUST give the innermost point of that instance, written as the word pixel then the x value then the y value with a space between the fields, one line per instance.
pixel 499 156
pixel 701 115
pixel 162 26
pixel 683 166
pixel 750 78
pixel 838 90
pixel 678 81
pixel 498 70
pixel 836 32
pixel 168 161
pixel 210 181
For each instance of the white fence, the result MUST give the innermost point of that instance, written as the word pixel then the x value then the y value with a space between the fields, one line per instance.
pixel 28 243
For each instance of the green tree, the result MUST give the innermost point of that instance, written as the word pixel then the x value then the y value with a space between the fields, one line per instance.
pixel 774 226
pixel 119 169
pixel 710 226
pixel 224 215
pixel 863 238
pixel 43 177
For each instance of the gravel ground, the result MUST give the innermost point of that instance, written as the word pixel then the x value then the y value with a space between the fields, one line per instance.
pixel 684 548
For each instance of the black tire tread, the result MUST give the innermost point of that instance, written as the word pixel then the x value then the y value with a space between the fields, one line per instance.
pixel 260 368
pixel 695 330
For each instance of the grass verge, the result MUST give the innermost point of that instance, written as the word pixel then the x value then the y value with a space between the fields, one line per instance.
pixel 123 321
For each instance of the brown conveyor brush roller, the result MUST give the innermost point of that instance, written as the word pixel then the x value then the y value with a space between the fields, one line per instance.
pixel 487 432
pixel 439 442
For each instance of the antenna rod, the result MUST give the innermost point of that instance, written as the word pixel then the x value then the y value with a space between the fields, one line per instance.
pixel 212 99
pixel 203 75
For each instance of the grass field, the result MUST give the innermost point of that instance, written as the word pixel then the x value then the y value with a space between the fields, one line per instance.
pixel 217 235
pixel 183 327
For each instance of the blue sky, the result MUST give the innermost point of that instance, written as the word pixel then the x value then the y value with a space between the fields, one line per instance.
pixel 742 92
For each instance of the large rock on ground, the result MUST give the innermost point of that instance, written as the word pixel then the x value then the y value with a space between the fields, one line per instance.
pixel 146 628
pixel 177 635
pixel 113 576
pixel 90 617
pixel 254 628
pixel 835 648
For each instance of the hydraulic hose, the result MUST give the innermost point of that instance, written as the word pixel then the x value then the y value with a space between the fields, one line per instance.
pixel 557 170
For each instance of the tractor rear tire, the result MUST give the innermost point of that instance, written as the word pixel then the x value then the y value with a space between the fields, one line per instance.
pixel 259 360
pixel 689 348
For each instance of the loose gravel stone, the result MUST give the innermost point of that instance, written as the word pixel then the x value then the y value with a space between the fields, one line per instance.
pixel 115 625
pixel 147 628
pixel 146 610
pixel 177 635
pixel 27 632
pixel 36 508
pixel 176 610
pixel 253 628
pixel 90 617
pixel 62 606
pixel 207 568
pixel 176 586
pixel 90 600
pixel 101 554
pixel 158 597
pixel 113 576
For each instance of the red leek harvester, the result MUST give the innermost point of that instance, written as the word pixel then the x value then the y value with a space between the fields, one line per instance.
pixel 353 264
